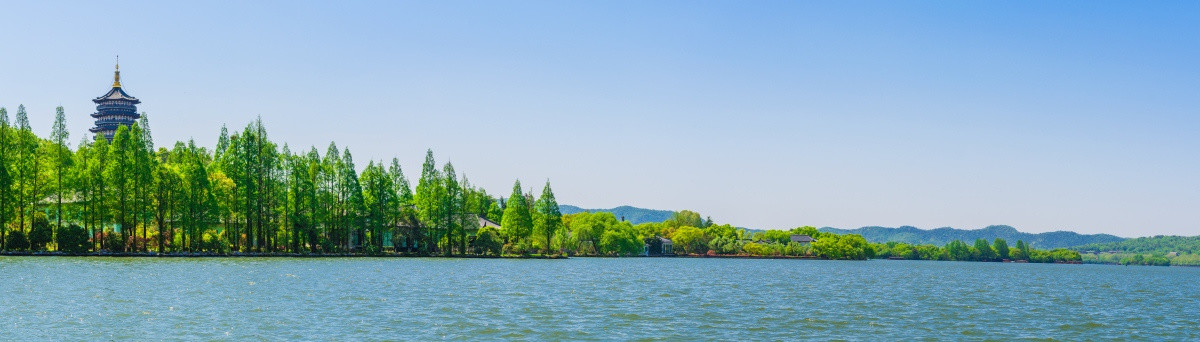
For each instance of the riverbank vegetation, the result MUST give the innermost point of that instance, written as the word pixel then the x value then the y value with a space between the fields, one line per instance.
pixel 249 194
pixel 602 233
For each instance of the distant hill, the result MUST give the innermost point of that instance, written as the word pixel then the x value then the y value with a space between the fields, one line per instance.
pixel 941 236
pixel 632 214
pixel 1158 244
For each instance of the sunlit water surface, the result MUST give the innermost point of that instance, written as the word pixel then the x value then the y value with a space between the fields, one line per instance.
pixel 65 298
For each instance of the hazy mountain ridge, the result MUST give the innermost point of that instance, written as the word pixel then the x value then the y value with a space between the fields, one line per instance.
pixel 941 236
pixel 634 215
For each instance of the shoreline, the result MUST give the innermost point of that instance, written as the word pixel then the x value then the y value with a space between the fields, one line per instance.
pixel 407 255
pixel 413 255
pixel 270 255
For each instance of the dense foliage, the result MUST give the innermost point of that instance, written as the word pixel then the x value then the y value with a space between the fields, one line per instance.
pixel 1151 251
pixel 980 250
pixel 248 194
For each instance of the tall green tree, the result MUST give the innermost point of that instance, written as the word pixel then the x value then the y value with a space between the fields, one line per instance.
pixel 61 161
pixel 405 218
pixel 167 188
pixel 6 176
pixel 352 205
pixel 27 167
pixel 1001 247
pixel 222 142
pixel 517 222
pixel 316 208
pixel 472 206
pixel 269 185
pixel 379 198
pixel 331 195
pixel 549 217
pixel 403 190
pixel 957 250
pixel 144 164
pixel 302 199
pixel 119 175
pixel 93 163
pixel 232 164
pixel 452 207
pixel 5 198
pixel 986 253
pixel 429 199
pixel 1021 252
pixel 198 201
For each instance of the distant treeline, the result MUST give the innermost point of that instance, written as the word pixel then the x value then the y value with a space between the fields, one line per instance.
pixel 594 233
pixel 981 250
pixel 942 236
pixel 1156 251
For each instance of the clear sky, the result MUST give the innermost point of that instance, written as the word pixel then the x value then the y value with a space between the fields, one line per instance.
pixel 1060 115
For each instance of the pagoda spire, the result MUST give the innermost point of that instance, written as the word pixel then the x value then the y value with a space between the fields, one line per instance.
pixel 117 74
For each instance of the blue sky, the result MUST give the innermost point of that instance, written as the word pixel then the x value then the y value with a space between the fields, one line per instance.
pixel 1041 115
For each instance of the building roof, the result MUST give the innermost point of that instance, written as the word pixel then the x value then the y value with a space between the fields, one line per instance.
pixel 802 238
pixel 116 94
pixel 484 222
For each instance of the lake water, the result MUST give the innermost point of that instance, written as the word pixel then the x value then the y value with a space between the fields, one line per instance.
pixel 57 298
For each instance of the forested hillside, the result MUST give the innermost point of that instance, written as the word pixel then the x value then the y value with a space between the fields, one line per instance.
pixel 1157 244
pixel 942 236
pixel 634 215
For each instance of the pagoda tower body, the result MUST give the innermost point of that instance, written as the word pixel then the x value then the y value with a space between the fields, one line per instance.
pixel 114 109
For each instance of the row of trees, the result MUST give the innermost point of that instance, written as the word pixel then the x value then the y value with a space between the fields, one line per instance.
pixel 1145 259
pixel 602 234
pixel 981 250
pixel 248 194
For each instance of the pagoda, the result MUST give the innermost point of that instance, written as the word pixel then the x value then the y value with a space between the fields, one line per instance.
pixel 114 109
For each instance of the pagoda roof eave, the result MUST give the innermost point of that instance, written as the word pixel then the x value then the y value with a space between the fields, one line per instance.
pixel 116 94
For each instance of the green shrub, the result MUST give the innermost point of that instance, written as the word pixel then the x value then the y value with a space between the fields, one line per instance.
pixel 113 242
pixel 487 241
pixel 73 239
pixel 16 241
pixel 40 233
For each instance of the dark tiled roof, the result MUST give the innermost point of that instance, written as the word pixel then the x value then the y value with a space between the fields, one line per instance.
pixel 802 238
pixel 116 94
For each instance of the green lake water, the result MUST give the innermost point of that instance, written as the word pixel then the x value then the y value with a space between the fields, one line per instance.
pixel 71 298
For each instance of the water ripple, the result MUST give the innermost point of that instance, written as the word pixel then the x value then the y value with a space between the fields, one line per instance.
pixel 589 299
